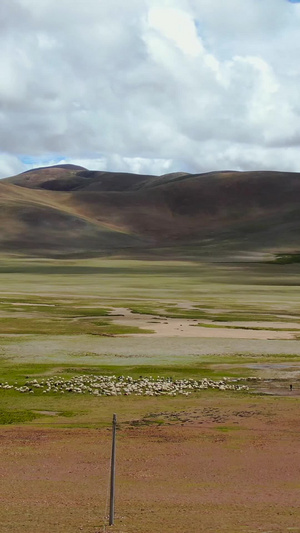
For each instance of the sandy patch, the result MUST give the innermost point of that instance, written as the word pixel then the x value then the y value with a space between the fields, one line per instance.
pixel 256 324
pixel 175 327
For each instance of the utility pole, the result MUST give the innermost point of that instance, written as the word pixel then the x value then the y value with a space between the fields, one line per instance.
pixel 113 472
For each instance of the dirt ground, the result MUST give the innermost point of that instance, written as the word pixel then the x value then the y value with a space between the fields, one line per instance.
pixel 229 464
pixel 181 327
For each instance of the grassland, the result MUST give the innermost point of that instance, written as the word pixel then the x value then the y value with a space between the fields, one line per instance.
pixel 63 318
pixel 58 317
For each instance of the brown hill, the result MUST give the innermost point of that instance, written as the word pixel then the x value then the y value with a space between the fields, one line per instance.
pixel 67 210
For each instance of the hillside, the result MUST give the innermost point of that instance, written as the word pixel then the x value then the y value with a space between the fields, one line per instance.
pixel 68 210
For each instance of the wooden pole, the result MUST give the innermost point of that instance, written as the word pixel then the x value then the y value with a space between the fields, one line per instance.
pixel 113 472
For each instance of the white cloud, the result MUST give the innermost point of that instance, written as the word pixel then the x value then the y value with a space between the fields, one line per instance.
pixel 10 165
pixel 150 85
pixel 178 26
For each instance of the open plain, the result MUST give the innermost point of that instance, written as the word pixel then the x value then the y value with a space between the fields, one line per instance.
pixel 212 461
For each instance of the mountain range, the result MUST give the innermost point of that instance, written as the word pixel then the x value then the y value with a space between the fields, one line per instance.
pixel 69 211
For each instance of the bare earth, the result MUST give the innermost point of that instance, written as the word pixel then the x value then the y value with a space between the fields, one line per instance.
pixel 180 327
pixel 227 463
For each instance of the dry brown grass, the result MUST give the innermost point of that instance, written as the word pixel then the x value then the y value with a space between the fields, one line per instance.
pixel 217 466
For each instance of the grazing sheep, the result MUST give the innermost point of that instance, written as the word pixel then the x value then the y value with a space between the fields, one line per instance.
pixel 124 385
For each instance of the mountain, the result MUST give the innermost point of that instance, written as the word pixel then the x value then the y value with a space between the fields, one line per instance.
pixel 67 210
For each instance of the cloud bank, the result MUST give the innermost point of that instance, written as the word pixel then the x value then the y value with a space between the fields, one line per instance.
pixel 150 86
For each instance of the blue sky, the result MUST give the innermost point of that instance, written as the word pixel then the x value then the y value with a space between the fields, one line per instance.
pixel 150 86
pixel 33 160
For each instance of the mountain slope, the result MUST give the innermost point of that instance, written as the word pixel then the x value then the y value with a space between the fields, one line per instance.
pixel 36 223
pixel 68 209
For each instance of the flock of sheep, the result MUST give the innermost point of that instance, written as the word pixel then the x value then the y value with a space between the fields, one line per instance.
pixel 124 385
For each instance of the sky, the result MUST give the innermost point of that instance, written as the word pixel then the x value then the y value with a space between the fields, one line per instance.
pixel 150 86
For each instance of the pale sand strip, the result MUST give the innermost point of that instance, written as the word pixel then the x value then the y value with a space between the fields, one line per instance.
pixel 174 327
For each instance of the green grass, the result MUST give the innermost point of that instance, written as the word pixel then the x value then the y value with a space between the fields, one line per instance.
pixel 226 429
pixel 22 372
pixel 16 417
pixel 54 317
pixel 58 310
pixel 73 410
pixel 61 326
